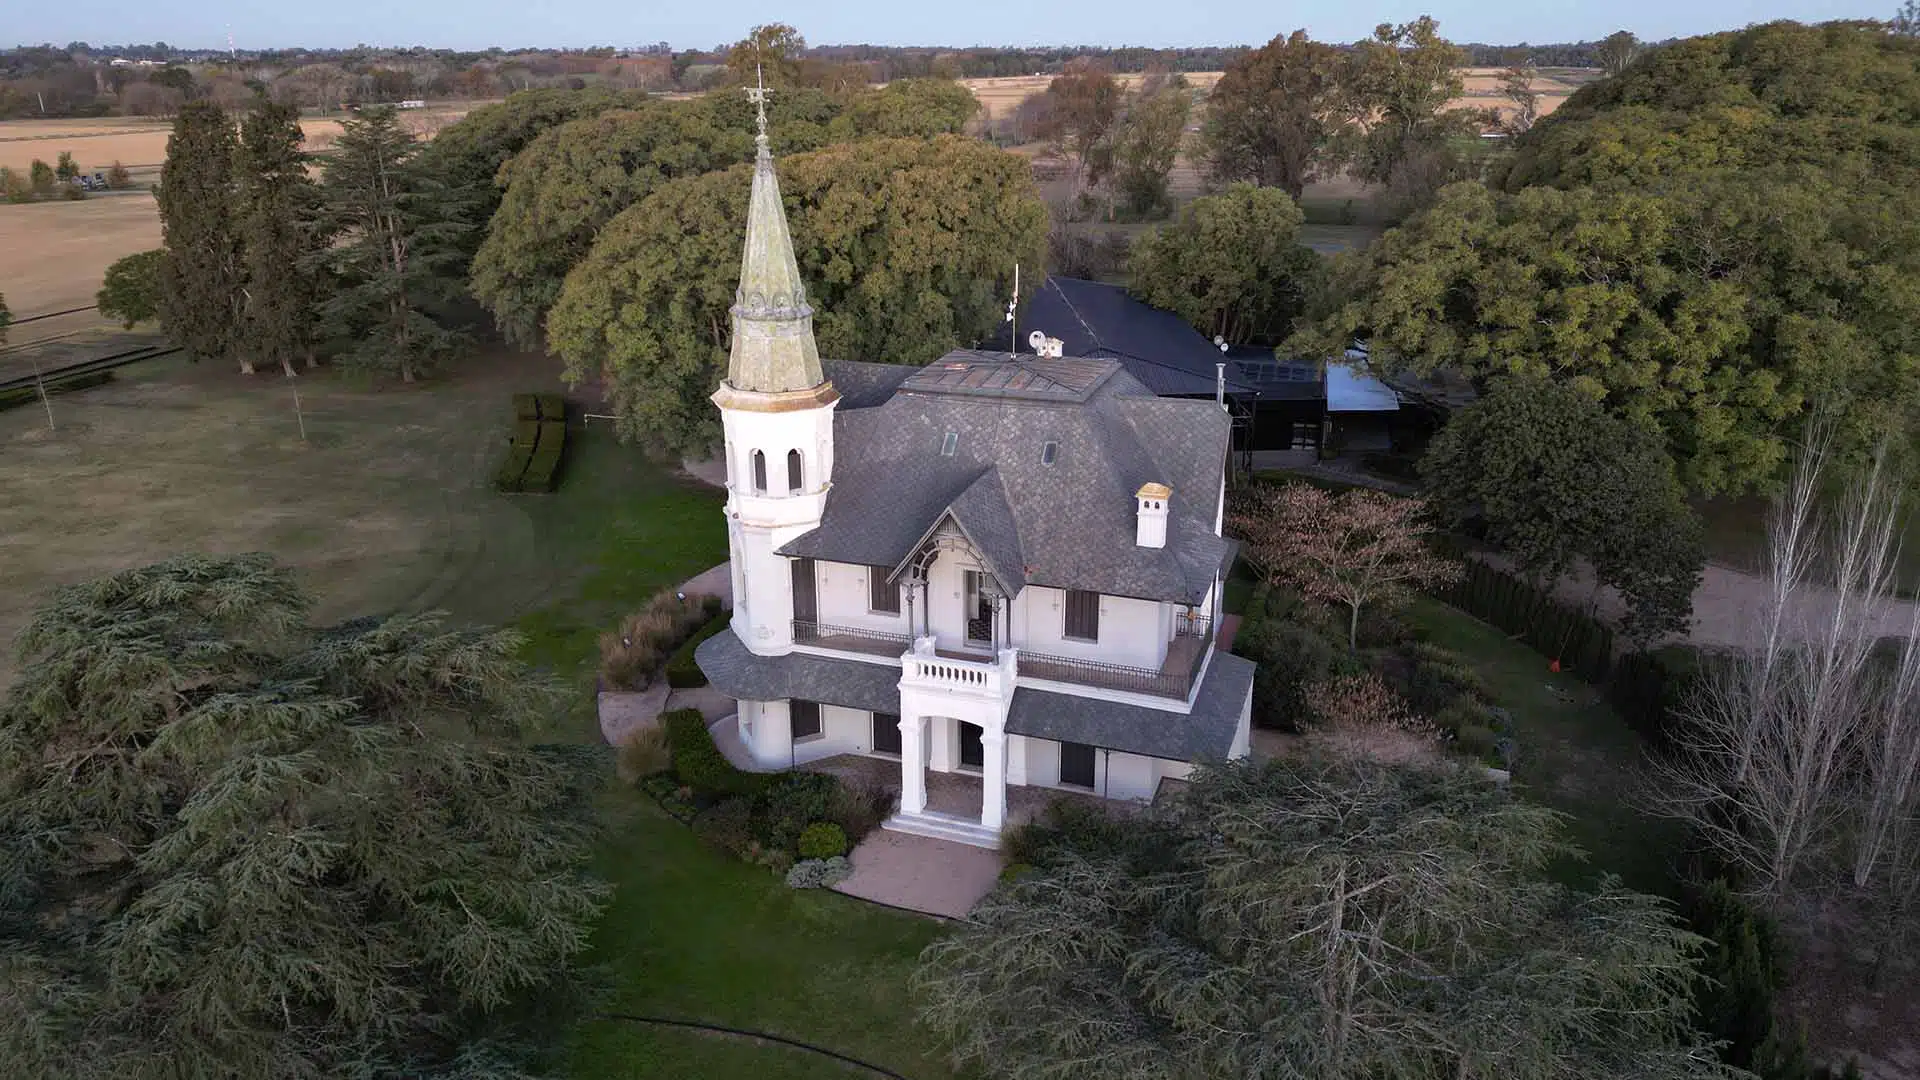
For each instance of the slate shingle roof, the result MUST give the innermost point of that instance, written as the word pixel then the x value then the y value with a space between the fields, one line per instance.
pixel 1158 348
pixel 1206 732
pixel 1069 524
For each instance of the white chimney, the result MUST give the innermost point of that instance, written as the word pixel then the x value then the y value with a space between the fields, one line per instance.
pixel 1151 501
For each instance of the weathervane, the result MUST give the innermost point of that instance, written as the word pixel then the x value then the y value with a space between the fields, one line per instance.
pixel 757 93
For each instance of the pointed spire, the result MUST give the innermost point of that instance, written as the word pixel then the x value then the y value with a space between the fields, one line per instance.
pixel 773 347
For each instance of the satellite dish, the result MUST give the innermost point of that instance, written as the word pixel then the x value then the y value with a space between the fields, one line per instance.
pixel 1037 339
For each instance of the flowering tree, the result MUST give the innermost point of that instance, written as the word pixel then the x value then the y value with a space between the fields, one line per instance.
pixel 1356 548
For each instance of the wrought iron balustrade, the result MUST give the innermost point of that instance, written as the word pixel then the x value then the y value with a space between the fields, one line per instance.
pixel 1199 626
pixel 849 638
pixel 1174 680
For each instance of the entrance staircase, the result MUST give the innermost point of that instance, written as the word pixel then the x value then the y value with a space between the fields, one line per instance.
pixel 938 826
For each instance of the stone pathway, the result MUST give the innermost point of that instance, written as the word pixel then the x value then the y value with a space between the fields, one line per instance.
pixel 622 713
pixel 934 877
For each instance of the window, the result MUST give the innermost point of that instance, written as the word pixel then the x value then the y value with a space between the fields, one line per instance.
pixel 886 733
pixel 759 472
pixel 796 479
pixel 1083 615
pixel 1049 453
pixel 883 596
pixel 949 444
pixel 805 716
pixel 1076 764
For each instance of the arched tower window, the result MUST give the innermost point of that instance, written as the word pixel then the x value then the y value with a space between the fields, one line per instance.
pixel 759 472
pixel 796 479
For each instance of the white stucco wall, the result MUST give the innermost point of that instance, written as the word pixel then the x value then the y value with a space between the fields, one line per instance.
pixel 1116 775
pixel 844 599
pixel 1132 632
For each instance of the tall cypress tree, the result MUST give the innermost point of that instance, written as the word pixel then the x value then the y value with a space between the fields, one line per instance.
pixel 280 230
pixel 404 238
pixel 203 278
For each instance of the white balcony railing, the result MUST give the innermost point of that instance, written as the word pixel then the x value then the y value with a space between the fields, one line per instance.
pixel 928 668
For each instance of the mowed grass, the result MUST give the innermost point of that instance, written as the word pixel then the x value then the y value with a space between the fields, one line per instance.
pixel 385 506
pixel 694 934
pixel 1574 753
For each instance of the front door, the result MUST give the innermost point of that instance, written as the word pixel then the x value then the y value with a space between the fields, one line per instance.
pixel 979 612
pixel 972 756
pixel 805 607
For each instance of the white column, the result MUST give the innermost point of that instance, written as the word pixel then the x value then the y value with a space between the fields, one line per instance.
pixel 913 757
pixel 993 781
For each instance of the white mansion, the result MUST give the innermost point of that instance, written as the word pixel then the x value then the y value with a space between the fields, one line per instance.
pixel 998 564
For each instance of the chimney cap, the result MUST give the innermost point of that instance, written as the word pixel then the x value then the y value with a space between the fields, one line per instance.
pixel 1154 490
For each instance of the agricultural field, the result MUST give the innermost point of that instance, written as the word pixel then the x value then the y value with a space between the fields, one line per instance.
pixel 1000 96
pixel 53 254
pixel 141 144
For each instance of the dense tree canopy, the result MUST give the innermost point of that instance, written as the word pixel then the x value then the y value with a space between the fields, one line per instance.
pixel 1317 918
pixel 1553 477
pixel 467 155
pixel 1231 264
pixel 1732 232
pixel 1272 112
pixel 130 291
pixel 1148 142
pixel 907 246
pixel 574 178
pixel 404 232
pixel 235 845
pixel 281 232
pixel 906 108
pixel 202 294
pixel 1396 88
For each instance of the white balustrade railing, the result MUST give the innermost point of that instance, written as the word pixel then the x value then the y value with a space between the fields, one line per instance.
pixel 987 677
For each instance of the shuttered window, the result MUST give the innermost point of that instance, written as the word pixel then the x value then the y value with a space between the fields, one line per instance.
pixel 886 733
pixel 883 596
pixel 1083 615
pixel 806 719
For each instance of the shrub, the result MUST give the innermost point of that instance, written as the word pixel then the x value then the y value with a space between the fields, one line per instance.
pixel 793 802
pixel 632 655
pixel 699 764
pixel 118 179
pixel 511 471
pixel 14 186
pixel 552 407
pixel 1437 684
pixel 41 179
pixel 777 860
pixel 822 840
pixel 819 873
pixel 526 433
pixel 1362 702
pixel 1070 827
pixel 728 825
pixel 673 797
pixel 858 809
pixel 1291 656
pixel 526 407
pixel 683 672
pixel 644 753
pixel 1463 712
pixel 1475 741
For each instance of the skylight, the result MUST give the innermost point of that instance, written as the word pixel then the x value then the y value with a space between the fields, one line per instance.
pixel 951 442
pixel 1049 452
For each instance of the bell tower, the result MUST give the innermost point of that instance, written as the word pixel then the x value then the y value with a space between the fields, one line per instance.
pixel 776 415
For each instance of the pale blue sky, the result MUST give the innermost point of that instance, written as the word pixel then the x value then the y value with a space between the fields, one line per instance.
pixel 477 24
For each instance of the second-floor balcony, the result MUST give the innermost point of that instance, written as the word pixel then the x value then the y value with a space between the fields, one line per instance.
pixel 1173 679
pixel 849 638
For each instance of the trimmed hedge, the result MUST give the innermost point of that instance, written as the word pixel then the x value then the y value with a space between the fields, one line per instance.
pixel 28 395
pixel 683 673
pixel 1577 640
pixel 699 764
pixel 539 445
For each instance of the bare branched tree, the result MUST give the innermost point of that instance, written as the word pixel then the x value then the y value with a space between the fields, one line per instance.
pixel 1799 759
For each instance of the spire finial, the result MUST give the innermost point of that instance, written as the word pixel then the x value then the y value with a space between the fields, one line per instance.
pixel 757 93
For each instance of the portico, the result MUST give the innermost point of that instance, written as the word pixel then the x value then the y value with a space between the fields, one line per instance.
pixel 953 718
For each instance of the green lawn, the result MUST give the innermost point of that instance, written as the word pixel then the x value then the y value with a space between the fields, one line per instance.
pixel 694 934
pixel 1574 753
pixel 385 506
